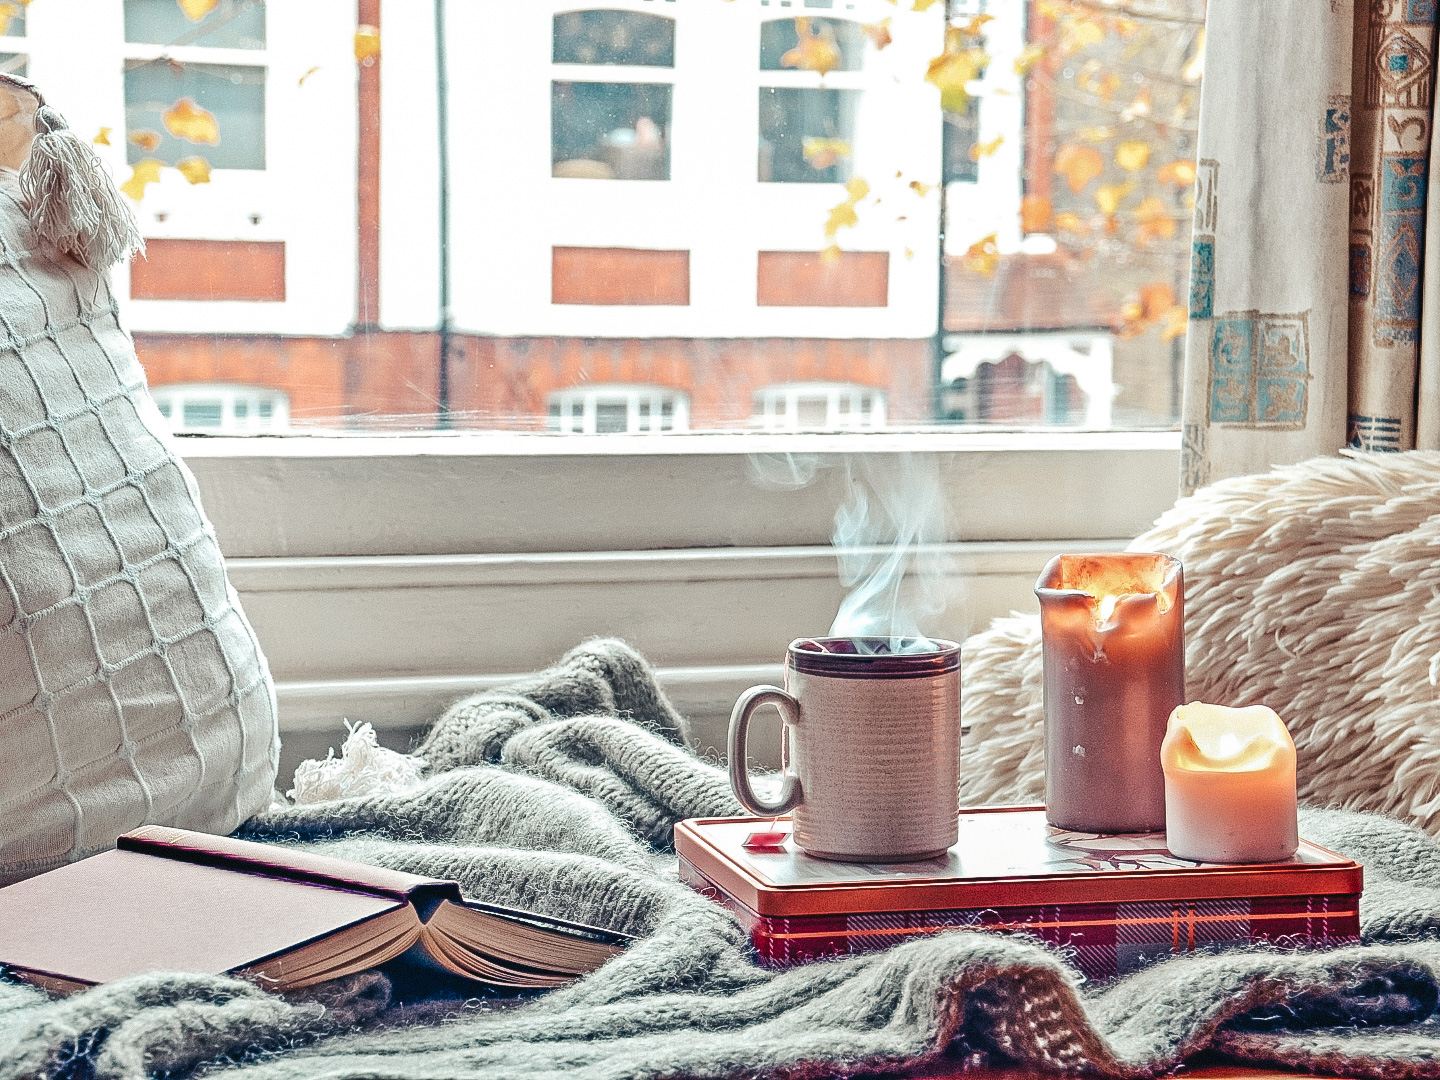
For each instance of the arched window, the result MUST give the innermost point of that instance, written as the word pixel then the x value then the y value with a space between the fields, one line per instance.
pixel 779 36
pixel 631 38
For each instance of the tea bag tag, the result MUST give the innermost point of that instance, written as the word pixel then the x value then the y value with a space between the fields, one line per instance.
pixel 770 838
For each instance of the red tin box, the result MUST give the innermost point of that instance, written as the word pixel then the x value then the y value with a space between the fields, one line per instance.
pixel 1112 903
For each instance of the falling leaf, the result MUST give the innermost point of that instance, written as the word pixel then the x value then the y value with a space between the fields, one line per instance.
pixel 1153 220
pixel 1180 173
pixel 194 169
pixel 1080 34
pixel 976 26
pixel 982 257
pixel 1176 322
pixel 1195 67
pixel 187 120
pixel 1139 108
pixel 1029 56
pixel 1035 211
pixel 842 215
pixel 921 189
pixel 981 150
pixel 1096 80
pixel 817 52
pixel 1126 28
pixel 903 217
pixel 102 137
pixel 367 43
pixel 823 153
pixel 954 69
pixel 144 138
pixel 878 32
pixel 831 255
pixel 146 171
pixel 857 188
pixel 909 253
pixel 1071 222
pixel 1132 154
pixel 307 75
pixel 195 10
pixel 1108 197
pixel 922 5
pixel 1079 165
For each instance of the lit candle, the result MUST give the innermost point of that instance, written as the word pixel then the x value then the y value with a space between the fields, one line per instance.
pixel 1113 629
pixel 1229 785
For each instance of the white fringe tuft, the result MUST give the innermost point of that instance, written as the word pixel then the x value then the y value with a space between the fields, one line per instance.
pixel 74 207
pixel 363 768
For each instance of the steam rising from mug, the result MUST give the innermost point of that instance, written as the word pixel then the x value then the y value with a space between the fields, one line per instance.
pixel 889 536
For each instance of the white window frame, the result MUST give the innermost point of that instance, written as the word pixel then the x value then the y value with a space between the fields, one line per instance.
pixel 388 575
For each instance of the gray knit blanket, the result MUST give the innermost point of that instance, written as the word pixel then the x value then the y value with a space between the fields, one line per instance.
pixel 560 795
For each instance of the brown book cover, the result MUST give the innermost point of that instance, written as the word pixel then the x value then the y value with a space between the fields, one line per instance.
pixel 170 900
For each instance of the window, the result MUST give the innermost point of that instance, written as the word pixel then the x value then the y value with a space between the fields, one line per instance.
pixel 798 127
pixel 618 410
pixel 614 37
pixel 819 407
pixel 780 39
pixel 220 409
pixel 230 24
pixel 175 112
pixel 610 131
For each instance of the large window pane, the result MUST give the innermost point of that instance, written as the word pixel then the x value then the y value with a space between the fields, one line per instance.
pixel 799 127
pixel 230 24
pixel 614 37
pixel 177 111
pixel 610 131
pixel 779 40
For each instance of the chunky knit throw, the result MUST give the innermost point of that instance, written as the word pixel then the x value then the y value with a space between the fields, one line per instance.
pixel 560 795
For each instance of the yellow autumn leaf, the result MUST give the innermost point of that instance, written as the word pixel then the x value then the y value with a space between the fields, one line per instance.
pixel 842 216
pixel 102 137
pixel 814 51
pixel 822 153
pixel 909 253
pixel 1179 173
pixel 1095 134
pixel 1153 220
pixel 1132 154
pixel 187 120
pixel 367 43
pixel 982 257
pixel 1079 165
pixel 976 26
pixel 1155 300
pixel 831 255
pixel 195 10
pixel 858 188
pixel 956 67
pixel 1029 56
pixel 1081 34
pixel 1138 109
pixel 307 75
pixel 145 171
pixel 981 150
pixel 922 5
pixel 1108 197
pixel 144 138
pixel 1175 322
pixel 921 189
pixel 1070 222
pixel 1035 211
pixel 878 32
pixel 194 169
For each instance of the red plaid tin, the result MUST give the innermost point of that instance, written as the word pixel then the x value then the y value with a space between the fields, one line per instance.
pixel 1112 904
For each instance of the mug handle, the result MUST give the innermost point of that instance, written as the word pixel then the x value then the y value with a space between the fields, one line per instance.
pixel 749 701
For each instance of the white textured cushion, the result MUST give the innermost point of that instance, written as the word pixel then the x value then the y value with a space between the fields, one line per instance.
pixel 132 689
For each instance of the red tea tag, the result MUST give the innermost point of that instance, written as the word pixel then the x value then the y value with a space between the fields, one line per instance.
pixel 771 839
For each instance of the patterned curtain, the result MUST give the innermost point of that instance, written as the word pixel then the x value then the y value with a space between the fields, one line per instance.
pixel 1312 325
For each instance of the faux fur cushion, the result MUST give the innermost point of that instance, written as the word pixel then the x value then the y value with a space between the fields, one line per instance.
pixel 132 689
pixel 1314 589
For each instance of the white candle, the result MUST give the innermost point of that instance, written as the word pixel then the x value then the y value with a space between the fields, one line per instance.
pixel 1229 785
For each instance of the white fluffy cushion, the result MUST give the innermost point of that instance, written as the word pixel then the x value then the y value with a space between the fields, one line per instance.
pixel 132 689
pixel 1314 589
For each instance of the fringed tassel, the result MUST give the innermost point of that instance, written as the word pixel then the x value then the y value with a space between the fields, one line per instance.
pixel 75 208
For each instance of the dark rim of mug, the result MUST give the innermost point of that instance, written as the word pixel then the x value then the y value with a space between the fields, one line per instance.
pixel 873 657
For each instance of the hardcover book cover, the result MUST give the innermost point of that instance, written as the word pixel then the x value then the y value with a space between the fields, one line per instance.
pixel 1113 903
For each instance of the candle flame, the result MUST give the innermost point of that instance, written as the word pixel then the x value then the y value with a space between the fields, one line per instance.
pixel 1107 607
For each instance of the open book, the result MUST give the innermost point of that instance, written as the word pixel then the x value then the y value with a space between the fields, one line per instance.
pixel 171 900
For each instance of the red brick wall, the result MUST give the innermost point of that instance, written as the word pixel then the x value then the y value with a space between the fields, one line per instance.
pixel 804 279
pixel 619 276
pixel 209 270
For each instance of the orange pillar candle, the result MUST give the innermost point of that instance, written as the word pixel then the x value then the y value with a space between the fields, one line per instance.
pixel 1114 657
pixel 1229 785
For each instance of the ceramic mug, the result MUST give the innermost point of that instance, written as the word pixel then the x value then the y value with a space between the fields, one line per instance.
pixel 873 740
